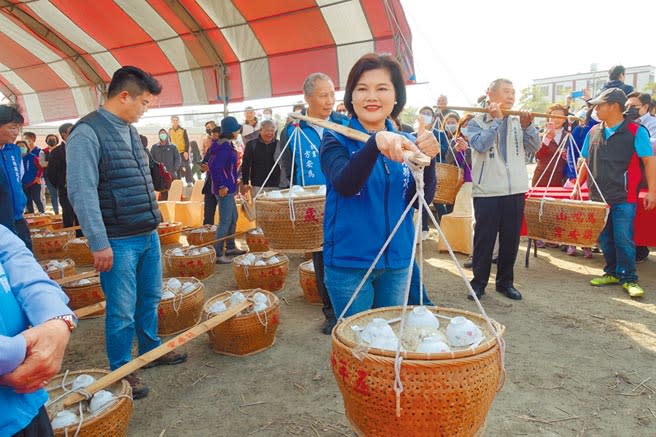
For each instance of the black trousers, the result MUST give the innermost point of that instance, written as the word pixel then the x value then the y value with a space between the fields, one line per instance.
pixel 38 427
pixel 23 232
pixel 317 260
pixel 209 209
pixel 496 215
pixel 68 214
pixel 33 194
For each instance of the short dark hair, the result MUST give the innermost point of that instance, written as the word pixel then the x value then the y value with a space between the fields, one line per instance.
pixel 615 72
pixel 133 80
pixel 373 61
pixel 210 121
pixel 52 135
pixel 428 108
pixel 498 82
pixel 21 142
pixel 10 114
pixel 645 99
pixel 30 135
pixel 64 128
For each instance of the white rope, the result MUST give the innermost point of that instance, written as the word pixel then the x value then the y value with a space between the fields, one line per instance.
pixel 266 179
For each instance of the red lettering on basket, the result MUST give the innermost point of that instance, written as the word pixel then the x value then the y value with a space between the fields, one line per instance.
pixel 160 311
pixel 587 234
pixel 360 384
pixel 561 216
pixel 591 218
pixel 578 217
pixel 558 231
pixel 275 319
pixel 343 372
pixel 573 234
pixel 311 215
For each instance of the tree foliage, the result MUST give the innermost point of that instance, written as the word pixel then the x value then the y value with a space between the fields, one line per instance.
pixel 534 99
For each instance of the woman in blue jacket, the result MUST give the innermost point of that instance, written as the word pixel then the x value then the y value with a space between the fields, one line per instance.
pixel 367 189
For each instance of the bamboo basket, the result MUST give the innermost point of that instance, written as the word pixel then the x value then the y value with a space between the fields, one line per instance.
pixel 270 277
pixel 303 234
pixel 246 333
pixel 78 249
pixel 198 266
pixel 38 220
pixel 167 228
pixel 57 224
pixel 201 235
pixel 449 180
pixel 257 242
pixel 308 281
pixel 61 272
pixel 573 222
pixel 181 312
pixel 446 394
pixel 84 295
pixel 110 422
pixel 50 247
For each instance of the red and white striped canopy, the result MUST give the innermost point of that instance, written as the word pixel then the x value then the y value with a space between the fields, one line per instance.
pixel 57 56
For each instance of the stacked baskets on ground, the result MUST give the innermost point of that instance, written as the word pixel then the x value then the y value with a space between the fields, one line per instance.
pixel 256 241
pixel 449 180
pixel 50 245
pixel 443 393
pixel 184 309
pixel 78 250
pixel 110 421
pixel 308 280
pixel 190 262
pixel 268 274
pixel 248 332
pixel 58 268
pixel 293 225
pixel 202 235
pixel 169 233
pixel 83 293
pixel 573 222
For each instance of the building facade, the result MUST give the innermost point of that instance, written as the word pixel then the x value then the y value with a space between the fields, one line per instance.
pixel 556 89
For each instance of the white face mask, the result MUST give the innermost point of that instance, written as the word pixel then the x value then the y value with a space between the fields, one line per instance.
pixel 594 115
pixel 451 128
pixel 428 119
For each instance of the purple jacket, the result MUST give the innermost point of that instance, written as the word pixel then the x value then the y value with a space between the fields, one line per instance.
pixel 222 165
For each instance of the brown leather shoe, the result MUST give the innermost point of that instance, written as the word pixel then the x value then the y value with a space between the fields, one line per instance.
pixel 169 359
pixel 139 388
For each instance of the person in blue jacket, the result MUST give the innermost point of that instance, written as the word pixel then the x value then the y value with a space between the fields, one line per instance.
pixel 35 325
pixel 12 197
pixel 367 189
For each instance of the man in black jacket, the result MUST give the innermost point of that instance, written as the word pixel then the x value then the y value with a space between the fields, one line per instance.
pixel 259 160
pixel 57 176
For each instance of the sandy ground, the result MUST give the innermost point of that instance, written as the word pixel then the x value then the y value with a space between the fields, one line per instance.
pixel 580 361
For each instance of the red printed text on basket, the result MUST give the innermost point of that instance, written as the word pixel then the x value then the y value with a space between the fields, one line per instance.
pixel 311 216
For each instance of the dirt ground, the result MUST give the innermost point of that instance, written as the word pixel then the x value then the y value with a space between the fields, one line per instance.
pixel 580 360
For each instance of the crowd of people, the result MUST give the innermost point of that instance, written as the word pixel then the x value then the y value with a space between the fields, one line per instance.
pixel 97 173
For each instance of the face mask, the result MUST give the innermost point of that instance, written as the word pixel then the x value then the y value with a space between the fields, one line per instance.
pixel 23 150
pixel 451 128
pixel 163 137
pixel 594 115
pixel 428 119
pixel 267 117
pixel 632 113
pixel 464 132
pixel 51 143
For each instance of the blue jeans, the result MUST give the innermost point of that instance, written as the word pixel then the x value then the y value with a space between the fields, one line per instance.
pixel 54 196
pixel 413 299
pixel 383 288
pixel 616 241
pixel 132 288
pixel 227 222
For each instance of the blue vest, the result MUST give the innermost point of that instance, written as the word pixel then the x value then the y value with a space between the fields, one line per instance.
pixel 355 228
pixel 125 188
pixel 11 161
pixel 307 164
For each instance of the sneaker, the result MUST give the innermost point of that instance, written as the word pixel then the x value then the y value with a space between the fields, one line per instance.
pixel 139 388
pixel 587 252
pixel 168 359
pixel 235 252
pixel 328 326
pixel 571 250
pixel 604 280
pixel 540 244
pixel 223 260
pixel 633 289
pixel 469 262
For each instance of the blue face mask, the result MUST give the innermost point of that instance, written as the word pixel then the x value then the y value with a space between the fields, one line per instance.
pixel 428 119
pixel 23 150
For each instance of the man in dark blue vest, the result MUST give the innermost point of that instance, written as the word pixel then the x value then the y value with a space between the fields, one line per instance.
pixel 111 190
